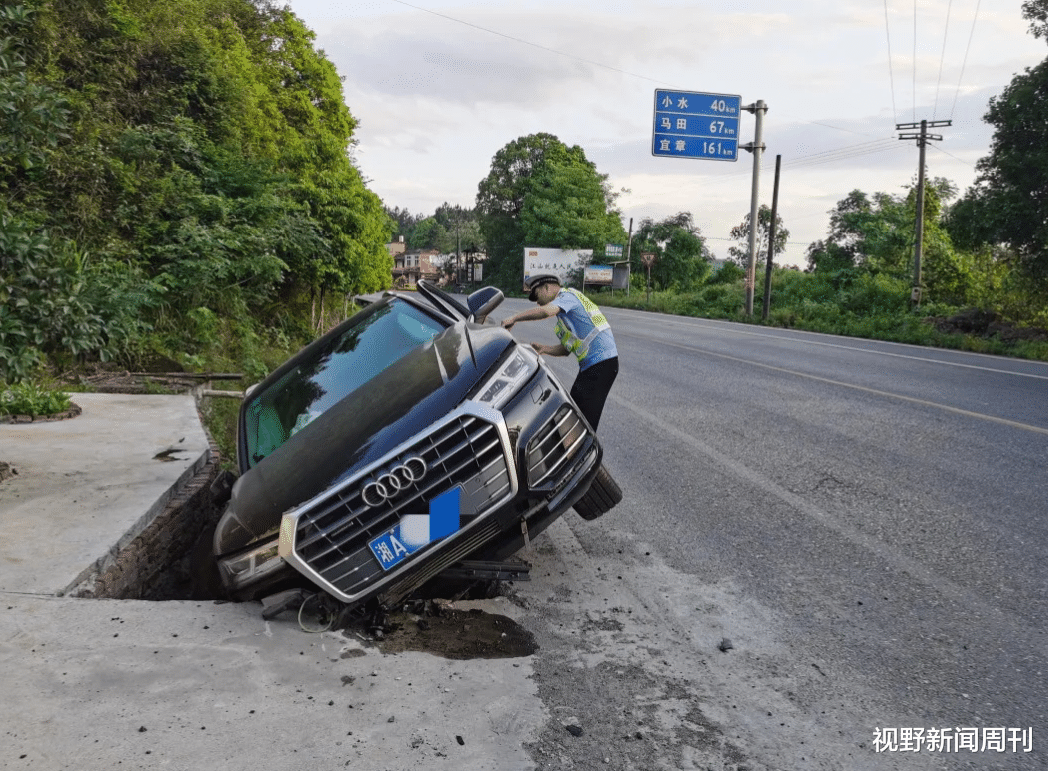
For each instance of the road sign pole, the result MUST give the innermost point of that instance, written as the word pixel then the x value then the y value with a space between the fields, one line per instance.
pixel 756 147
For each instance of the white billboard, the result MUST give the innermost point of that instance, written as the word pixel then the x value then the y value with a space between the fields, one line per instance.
pixel 599 275
pixel 560 262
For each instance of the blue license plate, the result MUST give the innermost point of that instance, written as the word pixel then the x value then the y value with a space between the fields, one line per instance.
pixel 416 531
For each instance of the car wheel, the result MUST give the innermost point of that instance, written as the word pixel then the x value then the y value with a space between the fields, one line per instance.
pixel 601 497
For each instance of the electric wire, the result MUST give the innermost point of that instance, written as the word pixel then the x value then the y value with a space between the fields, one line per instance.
pixel 529 43
pixel 915 60
pixel 807 161
pixel 965 62
pixel 942 59
pixel 848 148
pixel 827 156
pixel 966 163
pixel 891 73
pixel 837 128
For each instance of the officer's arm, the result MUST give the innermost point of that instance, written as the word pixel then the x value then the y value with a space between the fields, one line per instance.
pixel 550 350
pixel 532 314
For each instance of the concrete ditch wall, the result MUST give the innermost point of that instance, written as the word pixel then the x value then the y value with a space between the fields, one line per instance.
pixel 168 560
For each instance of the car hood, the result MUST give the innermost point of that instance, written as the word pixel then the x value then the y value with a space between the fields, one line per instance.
pixel 403 400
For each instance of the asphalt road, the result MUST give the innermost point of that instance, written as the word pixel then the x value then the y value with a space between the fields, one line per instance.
pixel 865 521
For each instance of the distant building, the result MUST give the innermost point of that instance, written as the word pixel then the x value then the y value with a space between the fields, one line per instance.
pixel 396 247
pixel 409 267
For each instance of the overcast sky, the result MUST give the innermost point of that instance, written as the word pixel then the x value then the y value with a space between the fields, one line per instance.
pixel 438 87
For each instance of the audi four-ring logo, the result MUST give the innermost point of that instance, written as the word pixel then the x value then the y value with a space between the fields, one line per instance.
pixel 391 482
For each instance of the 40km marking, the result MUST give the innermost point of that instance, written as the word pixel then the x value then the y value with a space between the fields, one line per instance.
pixel 719 105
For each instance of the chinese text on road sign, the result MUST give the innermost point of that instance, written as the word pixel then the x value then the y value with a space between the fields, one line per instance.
pixel 696 125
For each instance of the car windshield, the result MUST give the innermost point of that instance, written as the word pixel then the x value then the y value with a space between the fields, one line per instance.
pixel 350 360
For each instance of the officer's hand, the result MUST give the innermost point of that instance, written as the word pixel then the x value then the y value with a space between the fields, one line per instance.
pixel 508 323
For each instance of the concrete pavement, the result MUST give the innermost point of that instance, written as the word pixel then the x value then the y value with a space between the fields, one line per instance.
pixel 98 684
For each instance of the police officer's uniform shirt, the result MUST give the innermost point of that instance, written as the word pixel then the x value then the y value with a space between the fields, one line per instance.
pixel 577 319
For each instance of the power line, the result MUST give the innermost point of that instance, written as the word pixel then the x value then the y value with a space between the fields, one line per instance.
pixel 936 147
pixel 891 73
pixel 915 59
pixel 848 148
pixel 529 43
pixel 965 63
pixel 942 58
pixel 804 163
pixel 838 128
pixel 815 159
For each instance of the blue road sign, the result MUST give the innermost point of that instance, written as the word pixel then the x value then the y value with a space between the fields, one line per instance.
pixel 689 124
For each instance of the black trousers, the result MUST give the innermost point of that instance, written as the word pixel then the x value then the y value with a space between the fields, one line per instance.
pixel 591 388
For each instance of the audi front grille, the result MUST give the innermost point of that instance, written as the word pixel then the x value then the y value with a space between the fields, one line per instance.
pixel 328 537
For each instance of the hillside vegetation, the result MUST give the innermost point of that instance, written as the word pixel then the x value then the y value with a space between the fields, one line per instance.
pixel 175 181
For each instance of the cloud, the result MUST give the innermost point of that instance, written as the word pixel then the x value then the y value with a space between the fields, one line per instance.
pixel 438 93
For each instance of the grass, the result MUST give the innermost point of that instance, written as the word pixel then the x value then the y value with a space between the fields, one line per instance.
pixel 220 419
pixel 875 308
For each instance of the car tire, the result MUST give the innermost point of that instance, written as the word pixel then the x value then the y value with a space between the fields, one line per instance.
pixel 601 497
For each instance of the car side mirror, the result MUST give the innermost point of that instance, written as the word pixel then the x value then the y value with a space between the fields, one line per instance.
pixel 482 302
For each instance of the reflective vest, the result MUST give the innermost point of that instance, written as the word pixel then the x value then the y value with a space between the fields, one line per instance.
pixel 568 337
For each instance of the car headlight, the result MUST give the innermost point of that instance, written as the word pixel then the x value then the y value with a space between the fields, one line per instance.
pixel 512 374
pixel 252 565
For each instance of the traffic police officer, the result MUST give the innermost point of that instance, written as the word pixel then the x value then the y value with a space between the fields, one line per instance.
pixel 583 331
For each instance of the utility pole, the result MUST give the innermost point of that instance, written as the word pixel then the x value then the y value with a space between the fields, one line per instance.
pixel 771 239
pixel 756 147
pixel 922 141
pixel 629 268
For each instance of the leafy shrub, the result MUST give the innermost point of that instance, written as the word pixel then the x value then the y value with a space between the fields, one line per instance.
pixel 728 273
pixel 875 295
pixel 31 399
pixel 42 294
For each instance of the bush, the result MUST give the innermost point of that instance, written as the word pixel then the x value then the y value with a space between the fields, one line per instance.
pixel 30 399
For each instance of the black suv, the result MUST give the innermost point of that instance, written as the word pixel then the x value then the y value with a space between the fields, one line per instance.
pixel 411 437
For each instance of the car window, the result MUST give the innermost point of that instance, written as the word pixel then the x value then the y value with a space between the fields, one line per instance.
pixel 300 396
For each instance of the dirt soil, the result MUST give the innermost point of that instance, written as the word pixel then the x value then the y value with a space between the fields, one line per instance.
pixel 988 325
pixel 457 634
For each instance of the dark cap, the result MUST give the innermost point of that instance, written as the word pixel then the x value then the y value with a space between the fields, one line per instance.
pixel 534 282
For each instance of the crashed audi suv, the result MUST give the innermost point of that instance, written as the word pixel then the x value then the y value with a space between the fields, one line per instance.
pixel 410 438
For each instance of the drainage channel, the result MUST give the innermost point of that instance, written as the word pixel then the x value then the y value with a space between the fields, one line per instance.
pixel 171 560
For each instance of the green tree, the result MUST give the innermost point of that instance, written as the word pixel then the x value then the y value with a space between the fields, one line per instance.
pixel 201 147
pixel 540 192
pixel 430 234
pixel 1008 202
pixel 875 234
pixel 865 231
pixel 741 233
pixel 462 226
pixel 1036 12
pixel 404 222
pixel 34 117
pixel 568 206
pixel 682 260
